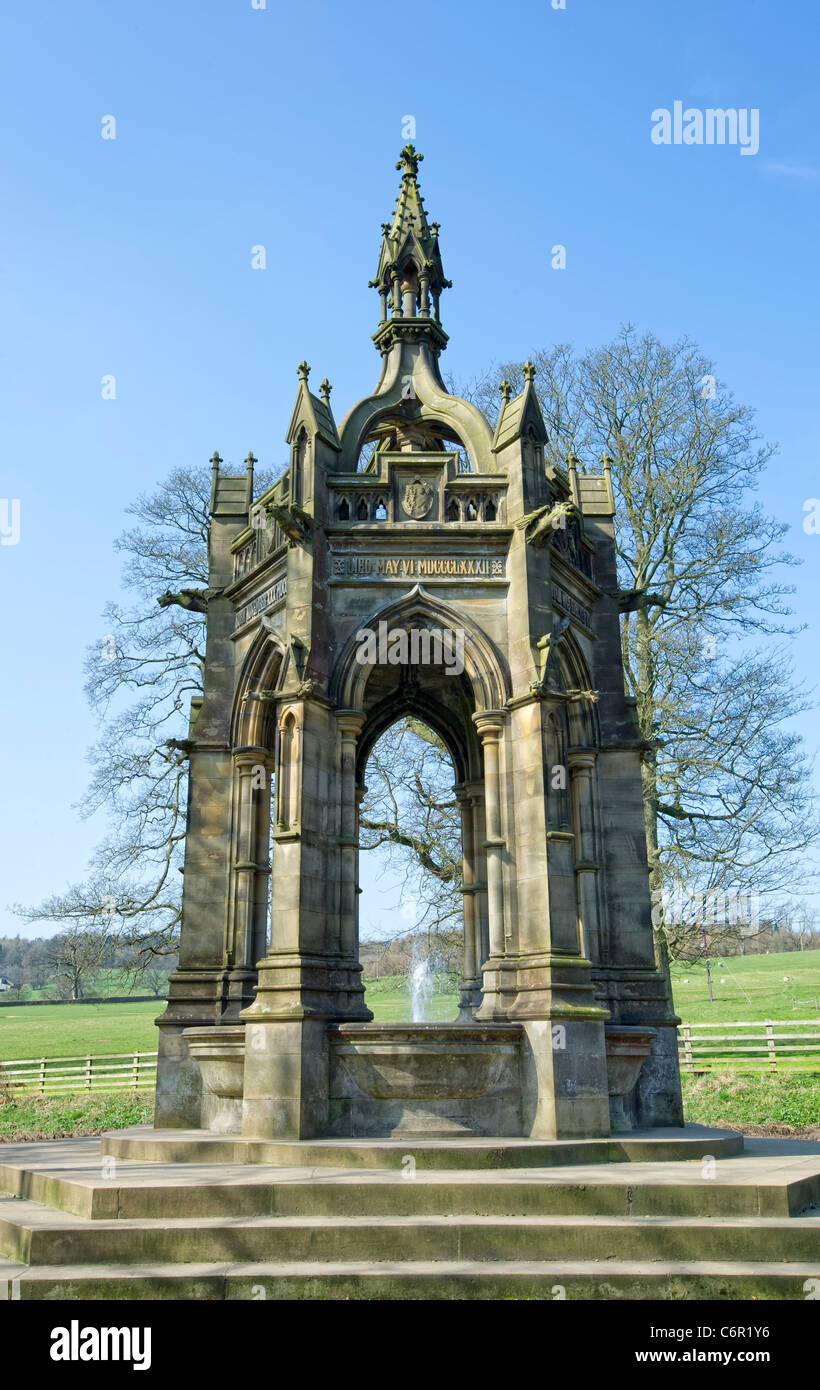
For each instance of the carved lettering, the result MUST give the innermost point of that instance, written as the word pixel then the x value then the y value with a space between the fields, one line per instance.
pixel 418 566
pixel 276 594
pixel 570 605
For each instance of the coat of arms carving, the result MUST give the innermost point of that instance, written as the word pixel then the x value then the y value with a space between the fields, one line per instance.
pixel 417 498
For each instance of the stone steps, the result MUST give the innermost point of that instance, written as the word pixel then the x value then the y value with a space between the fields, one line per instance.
pixel 79 1223
pixel 37 1236
pixel 143 1144
pixel 499 1281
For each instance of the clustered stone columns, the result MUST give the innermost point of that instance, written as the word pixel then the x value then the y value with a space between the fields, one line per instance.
pixel 581 771
pixel 474 953
pixel 490 726
pixel 248 920
pixel 349 724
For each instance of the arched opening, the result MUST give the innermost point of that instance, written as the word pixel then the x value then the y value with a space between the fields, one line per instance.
pixel 411 877
pixel 410 433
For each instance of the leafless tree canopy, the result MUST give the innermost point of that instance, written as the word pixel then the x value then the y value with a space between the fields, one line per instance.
pixel 140 676
pixel 409 813
pixel 726 781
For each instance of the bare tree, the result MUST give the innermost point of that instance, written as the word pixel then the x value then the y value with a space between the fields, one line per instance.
pixel 410 813
pixel 726 782
pixel 75 957
pixel 141 676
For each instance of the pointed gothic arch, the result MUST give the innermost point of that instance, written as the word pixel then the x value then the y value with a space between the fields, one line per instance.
pixel 484 666
pixel 253 720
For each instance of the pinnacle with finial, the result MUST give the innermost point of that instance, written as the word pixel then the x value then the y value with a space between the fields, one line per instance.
pixel 215 460
pixel 409 162
pixel 325 389
pixel 250 460
pixel 304 371
pixel 529 371
pixel 506 390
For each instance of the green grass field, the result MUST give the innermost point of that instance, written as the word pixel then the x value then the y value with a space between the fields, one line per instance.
pixel 77 1030
pixel 746 988
pixel 749 988
pixel 779 1104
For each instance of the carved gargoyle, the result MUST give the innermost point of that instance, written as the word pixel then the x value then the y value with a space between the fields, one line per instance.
pixel 196 600
pixel 292 520
pixel 183 746
pixel 545 521
pixel 630 600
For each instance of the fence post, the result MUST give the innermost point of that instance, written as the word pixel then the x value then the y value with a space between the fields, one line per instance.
pixel 135 1080
pixel 88 1073
pixel 688 1058
pixel 770 1045
pixel 42 1075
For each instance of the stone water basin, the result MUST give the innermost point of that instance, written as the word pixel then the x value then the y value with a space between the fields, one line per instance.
pixel 220 1053
pixel 426 1061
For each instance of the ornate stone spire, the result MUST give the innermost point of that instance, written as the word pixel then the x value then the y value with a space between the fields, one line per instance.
pixel 410 277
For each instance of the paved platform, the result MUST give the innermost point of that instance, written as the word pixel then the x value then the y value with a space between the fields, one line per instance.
pixel 78 1222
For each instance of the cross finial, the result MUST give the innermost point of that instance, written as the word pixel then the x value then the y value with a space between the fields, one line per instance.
pixel 434 228
pixel 506 390
pixel 572 459
pixel 250 460
pixel 529 371
pixel 409 162
pixel 325 389
pixel 215 460
pixel 385 228
pixel 304 371
pixel 606 459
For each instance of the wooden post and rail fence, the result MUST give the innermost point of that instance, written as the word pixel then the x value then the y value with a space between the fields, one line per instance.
pixel 702 1046
pixel 110 1071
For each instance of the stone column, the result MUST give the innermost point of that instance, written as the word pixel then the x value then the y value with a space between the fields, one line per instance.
pixel 349 724
pixel 246 932
pixel 481 911
pixel 395 282
pixel 581 771
pixel 470 992
pixel 424 285
pixel 490 725
pixel 306 980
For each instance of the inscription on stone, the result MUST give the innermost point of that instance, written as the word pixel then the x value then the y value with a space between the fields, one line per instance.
pixel 569 604
pixel 418 567
pixel 275 594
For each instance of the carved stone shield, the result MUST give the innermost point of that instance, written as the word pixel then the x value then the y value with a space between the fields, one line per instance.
pixel 417 498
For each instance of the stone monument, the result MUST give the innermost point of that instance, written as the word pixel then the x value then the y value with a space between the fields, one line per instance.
pixel 412 560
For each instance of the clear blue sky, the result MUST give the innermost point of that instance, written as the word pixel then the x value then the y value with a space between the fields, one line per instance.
pixel 238 127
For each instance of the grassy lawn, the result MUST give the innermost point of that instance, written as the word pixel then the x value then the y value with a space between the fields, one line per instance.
pixel 749 988
pixel 756 1104
pixel 61 1117
pixel 390 1002
pixel 777 1105
pixel 101 985
pixel 76 1030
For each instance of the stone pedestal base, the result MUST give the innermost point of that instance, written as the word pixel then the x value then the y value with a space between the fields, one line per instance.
pixel 565 1093
pixel 287 1079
